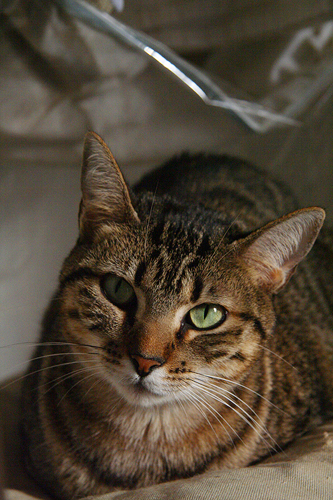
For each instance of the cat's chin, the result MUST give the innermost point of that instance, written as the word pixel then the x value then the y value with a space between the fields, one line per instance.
pixel 141 393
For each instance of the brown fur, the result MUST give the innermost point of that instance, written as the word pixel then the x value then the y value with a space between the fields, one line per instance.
pixel 196 231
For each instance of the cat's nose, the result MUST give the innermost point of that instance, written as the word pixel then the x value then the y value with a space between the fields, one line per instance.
pixel 144 365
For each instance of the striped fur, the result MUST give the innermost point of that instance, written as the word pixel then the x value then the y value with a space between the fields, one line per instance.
pixel 195 231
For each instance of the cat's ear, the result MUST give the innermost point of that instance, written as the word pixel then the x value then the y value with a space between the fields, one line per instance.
pixel 105 195
pixel 273 252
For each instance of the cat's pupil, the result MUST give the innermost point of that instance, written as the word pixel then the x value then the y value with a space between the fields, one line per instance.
pixel 118 286
pixel 206 311
pixel 118 290
pixel 206 316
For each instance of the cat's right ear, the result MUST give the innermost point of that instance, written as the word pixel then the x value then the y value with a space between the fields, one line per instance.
pixel 273 252
pixel 105 195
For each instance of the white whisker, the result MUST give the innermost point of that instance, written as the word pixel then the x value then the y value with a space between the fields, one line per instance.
pixel 5 386
pixel 63 377
pixel 149 217
pixel 244 415
pixel 72 353
pixel 220 390
pixel 194 402
pixel 98 381
pixel 217 249
pixel 233 382
pixel 54 343
pixel 92 371
pixel 278 356
pixel 215 413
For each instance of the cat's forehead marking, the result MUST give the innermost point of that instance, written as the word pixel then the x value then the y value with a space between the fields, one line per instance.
pixel 169 262
pixel 197 289
pixel 174 262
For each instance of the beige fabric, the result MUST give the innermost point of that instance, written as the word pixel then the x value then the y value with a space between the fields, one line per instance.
pixel 303 472
pixel 59 78
pixel 188 25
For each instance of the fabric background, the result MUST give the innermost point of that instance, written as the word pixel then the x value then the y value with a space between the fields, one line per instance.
pixel 59 78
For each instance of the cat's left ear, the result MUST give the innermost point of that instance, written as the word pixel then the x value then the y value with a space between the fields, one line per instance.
pixel 105 195
pixel 273 252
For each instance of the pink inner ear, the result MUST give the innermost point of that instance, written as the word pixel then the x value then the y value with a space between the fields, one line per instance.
pixel 268 277
pixel 105 195
pixel 277 276
pixel 275 250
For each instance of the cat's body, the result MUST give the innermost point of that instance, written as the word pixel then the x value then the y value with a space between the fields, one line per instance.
pixel 184 366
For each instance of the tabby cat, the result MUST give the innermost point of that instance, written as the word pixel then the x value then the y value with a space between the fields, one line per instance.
pixel 166 350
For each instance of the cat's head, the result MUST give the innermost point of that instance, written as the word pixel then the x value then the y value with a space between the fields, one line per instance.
pixel 157 293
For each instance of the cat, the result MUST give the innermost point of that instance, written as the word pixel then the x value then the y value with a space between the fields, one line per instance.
pixel 175 342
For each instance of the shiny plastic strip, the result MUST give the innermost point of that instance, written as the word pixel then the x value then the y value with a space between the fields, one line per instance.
pixel 253 115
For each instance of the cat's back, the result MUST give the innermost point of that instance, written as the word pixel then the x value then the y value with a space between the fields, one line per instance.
pixel 224 184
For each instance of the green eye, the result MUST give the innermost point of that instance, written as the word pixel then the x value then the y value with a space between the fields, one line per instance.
pixel 207 316
pixel 117 290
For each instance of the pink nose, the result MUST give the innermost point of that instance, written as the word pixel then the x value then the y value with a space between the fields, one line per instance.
pixel 143 366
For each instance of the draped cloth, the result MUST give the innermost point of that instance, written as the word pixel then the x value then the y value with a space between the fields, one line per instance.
pixel 59 78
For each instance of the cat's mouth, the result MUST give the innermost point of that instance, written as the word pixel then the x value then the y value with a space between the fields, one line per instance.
pixel 140 387
pixel 143 393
